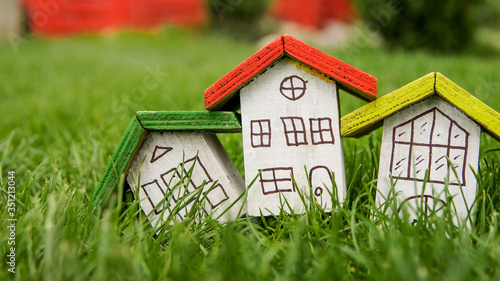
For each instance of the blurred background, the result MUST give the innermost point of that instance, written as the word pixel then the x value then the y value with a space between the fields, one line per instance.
pixel 446 26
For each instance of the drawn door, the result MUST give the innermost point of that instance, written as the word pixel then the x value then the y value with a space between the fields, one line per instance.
pixel 428 205
pixel 321 179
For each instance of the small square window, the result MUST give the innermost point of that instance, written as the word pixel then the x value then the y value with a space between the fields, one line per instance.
pixel 260 133
pixel 295 132
pixel 274 180
pixel 216 196
pixel 321 131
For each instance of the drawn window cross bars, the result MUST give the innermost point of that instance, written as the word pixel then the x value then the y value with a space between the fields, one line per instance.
pixel 422 144
pixel 295 132
pixel 260 131
pixel 321 130
pixel 274 180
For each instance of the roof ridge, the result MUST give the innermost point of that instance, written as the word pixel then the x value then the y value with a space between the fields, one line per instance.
pixel 352 79
pixel 370 116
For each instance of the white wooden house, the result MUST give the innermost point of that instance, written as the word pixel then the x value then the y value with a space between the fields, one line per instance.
pixel 288 95
pixel 173 161
pixel 430 145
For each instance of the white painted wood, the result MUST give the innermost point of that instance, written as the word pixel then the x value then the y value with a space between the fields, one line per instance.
pixel 270 111
pixel 437 131
pixel 158 167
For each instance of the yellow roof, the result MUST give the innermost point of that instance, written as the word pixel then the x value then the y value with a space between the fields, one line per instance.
pixel 370 116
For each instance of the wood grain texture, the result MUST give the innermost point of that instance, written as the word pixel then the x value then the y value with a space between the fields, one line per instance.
pixel 131 141
pixel 370 116
pixel 184 120
pixel 219 95
pixel 478 111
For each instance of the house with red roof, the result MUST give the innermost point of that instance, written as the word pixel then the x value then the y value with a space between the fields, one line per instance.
pixel 288 96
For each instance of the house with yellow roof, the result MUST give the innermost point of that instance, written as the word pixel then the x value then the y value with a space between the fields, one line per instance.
pixel 430 144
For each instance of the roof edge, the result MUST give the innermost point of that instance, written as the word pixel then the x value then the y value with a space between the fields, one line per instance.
pixel 224 89
pixel 215 121
pixel 474 108
pixel 119 163
pixel 368 117
pixel 350 78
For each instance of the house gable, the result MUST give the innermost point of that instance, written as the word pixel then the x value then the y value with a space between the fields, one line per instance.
pixel 219 95
pixel 290 128
pixel 177 170
pixel 145 122
pixel 283 94
pixel 430 143
pixel 429 151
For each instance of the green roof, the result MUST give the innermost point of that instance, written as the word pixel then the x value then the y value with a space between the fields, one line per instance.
pixel 147 121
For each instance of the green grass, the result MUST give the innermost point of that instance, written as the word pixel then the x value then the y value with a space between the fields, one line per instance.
pixel 66 103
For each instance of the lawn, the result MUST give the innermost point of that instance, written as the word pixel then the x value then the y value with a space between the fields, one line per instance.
pixel 66 103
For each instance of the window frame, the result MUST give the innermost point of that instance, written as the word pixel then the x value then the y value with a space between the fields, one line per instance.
pixel 294 141
pixel 321 130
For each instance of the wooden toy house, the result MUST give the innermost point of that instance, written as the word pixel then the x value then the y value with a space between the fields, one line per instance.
pixel 288 96
pixel 173 160
pixel 430 143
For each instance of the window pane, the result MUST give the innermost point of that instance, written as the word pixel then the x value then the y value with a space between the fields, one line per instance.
pixel 321 131
pixel 275 180
pixel 294 130
pixel 260 134
pixel 216 196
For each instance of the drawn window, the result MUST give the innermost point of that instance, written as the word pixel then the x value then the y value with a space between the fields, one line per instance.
pixel 321 131
pixel 295 132
pixel 199 175
pixel 193 175
pixel 274 180
pixel 260 132
pixel 155 195
pixel 426 142
pixel 216 196
pixel 293 87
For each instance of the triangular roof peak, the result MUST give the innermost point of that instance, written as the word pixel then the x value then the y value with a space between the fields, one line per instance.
pixel 370 116
pixel 150 121
pixel 218 95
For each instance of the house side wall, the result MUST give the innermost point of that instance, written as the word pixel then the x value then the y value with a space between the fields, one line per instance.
pixel 288 129
pixel 167 157
pixel 416 145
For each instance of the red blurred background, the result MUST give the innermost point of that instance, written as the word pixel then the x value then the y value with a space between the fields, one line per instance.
pixel 66 17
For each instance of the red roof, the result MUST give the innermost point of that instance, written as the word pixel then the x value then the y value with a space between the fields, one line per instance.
pixel 352 79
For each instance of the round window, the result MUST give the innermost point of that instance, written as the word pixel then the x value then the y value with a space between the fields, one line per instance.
pixel 293 87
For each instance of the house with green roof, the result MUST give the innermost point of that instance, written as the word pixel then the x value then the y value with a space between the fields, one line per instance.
pixel 173 161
